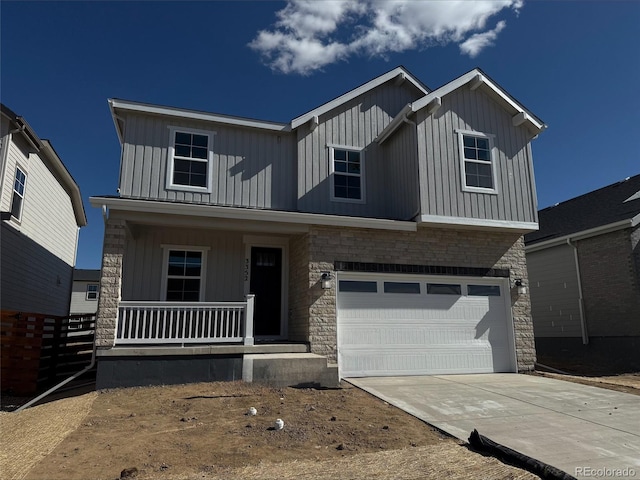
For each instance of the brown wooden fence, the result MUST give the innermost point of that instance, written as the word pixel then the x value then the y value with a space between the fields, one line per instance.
pixel 38 351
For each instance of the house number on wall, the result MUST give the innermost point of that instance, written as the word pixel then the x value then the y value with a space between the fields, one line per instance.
pixel 246 269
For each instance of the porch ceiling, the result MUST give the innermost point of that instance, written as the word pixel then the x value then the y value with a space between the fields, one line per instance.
pixel 135 219
pixel 278 219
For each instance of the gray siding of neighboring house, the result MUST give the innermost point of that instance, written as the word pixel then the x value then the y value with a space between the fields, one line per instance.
pixel 401 165
pixel 143 262
pixel 553 282
pixel 440 168
pixel 354 124
pixel 48 217
pixel 33 279
pixel 39 250
pixel 251 167
pixel 79 302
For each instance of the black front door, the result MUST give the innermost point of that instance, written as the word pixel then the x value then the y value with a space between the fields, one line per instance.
pixel 266 285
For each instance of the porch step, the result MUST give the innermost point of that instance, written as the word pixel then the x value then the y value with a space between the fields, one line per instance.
pixel 290 370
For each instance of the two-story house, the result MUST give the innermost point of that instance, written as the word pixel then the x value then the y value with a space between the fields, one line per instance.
pixel 42 213
pixel 84 294
pixel 380 232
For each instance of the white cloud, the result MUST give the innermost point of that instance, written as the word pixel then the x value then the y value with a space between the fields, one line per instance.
pixel 478 42
pixel 311 34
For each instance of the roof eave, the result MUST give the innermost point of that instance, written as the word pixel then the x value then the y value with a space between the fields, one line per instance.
pixel 126 105
pixel 249 214
pixel 71 185
pixel 477 78
pixel 350 95
pixel 584 234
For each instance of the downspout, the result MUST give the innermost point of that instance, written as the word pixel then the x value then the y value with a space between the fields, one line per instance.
pixel 583 321
pixel 93 352
pixel 64 382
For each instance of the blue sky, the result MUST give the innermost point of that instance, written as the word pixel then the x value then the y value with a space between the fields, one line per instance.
pixel 574 64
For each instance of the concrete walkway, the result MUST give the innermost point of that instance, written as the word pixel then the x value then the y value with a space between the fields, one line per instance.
pixel 585 431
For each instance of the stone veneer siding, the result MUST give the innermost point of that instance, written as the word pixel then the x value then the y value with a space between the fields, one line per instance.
pixel 427 246
pixel 110 283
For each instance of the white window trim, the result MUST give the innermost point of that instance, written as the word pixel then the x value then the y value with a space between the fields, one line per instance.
pixel 165 268
pixel 97 292
pixel 330 149
pixel 170 160
pixel 492 152
pixel 18 219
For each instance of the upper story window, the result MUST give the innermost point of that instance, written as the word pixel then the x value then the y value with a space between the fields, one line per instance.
pixel 17 201
pixel 476 157
pixel 190 158
pixel 184 273
pixel 347 174
pixel 92 292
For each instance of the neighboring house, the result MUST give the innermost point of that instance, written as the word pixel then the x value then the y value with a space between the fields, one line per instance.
pixel 381 231
pixel 584 269
pixel 42 214
pixel 84 295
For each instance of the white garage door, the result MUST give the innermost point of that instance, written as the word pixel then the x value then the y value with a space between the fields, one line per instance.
pixel 416 325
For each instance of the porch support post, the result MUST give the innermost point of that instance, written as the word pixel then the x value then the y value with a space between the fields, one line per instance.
pixel 110 283
pixel 248 320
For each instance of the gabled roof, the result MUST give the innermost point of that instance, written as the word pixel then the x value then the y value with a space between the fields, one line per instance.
pixel 476 78
pixel 616 203
pixel 399 73
pixel 53 161
pixel 81 275
pixel 117 104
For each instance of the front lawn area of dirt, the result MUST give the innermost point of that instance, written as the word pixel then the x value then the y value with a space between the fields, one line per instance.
pixel 204 431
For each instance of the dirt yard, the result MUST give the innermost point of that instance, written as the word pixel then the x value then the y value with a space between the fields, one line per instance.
pixel 204 431
pixel 625 382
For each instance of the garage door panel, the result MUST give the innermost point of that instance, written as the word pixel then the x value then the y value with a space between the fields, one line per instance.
pixel 419 334
pixel 375 362
pixel 415 334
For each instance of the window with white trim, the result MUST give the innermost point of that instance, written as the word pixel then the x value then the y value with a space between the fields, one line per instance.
pixel 92 291
pixel 19 186
pixel 184 275
pixel 476 154
pixel 347 174
pixel 190 158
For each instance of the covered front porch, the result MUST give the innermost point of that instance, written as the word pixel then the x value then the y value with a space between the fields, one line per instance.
pixel 189 299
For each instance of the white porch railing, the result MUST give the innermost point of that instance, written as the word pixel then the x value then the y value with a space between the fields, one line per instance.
pixel 142 323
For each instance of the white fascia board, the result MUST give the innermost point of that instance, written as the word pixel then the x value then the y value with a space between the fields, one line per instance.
pixel 474 76
pixel 376 82
pixel 394 124
pixel 115 117
pixel 250 214
pixel 584 234
pixel 477 223
pixel 195 115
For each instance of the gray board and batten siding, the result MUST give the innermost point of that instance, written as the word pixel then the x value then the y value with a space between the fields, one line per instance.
pixel 354 124
pixel 401 154
pixel 439 157
pixel 414 172
pixel 143 262
pixel 251 167
pixel 555 302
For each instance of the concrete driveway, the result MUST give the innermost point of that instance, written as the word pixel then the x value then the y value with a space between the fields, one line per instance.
pixel 585 431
